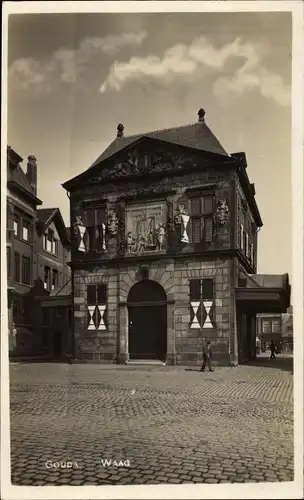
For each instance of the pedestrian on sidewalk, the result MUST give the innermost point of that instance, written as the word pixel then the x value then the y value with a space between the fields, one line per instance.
pixel 207 357
pixel 273 350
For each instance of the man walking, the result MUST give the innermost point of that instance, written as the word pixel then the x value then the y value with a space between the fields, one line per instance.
pixel 207 357
pixel 272 350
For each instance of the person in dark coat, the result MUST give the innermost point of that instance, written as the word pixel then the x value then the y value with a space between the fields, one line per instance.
pixel 207 357
pixel 273 350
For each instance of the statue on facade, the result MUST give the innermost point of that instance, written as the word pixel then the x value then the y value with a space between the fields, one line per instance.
pixel 222 212
pixel 131 242
pixel 182 220
pixel 112 223
pixel 160 236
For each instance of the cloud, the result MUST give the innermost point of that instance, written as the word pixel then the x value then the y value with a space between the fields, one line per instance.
pixel 65 65
pixel 181 60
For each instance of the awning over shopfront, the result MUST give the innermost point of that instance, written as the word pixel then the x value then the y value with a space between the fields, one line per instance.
pixel 263 293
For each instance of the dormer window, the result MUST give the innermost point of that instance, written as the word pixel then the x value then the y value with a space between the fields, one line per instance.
pixel 50 244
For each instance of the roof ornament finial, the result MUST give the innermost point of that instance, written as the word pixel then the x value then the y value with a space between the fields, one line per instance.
pixel 120 129
pixel 201 115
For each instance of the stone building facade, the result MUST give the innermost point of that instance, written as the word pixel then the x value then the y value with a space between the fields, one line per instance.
pixel 164 251
pixel 37 251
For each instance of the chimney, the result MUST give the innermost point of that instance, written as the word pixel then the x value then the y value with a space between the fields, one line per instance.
pixel 120 130
pixel 201 115
pixel 31 173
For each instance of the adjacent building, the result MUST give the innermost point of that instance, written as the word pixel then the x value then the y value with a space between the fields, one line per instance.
pixel 276 327
pixel 38 249
pixel 164 251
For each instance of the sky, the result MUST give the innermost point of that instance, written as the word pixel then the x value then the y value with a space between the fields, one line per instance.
pixel 73 77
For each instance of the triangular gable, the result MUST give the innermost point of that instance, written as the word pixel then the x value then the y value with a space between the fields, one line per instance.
pixel 195 136
pixel 53 228
pixel 56 223
pixel 127 161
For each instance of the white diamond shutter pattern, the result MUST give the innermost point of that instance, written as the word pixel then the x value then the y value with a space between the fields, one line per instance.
pixel 201 304
pixel 195 307
pixel 97 307
pixel 81 246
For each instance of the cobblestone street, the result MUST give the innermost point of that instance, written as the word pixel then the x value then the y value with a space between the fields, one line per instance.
pixel 160 424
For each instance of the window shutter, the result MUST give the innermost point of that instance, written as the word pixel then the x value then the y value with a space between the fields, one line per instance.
pixel 100 216
pixel 207 205
pixel 208 291
pixel 195 205
pixel 90 217
pixel 102 293
pixel 208 228
pixel 247 245
pixel 196 230
pixel 242 237
pixel 195 290
pixel 91 295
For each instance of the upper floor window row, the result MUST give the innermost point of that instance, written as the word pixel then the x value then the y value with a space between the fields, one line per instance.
pixel 22 228
pixel 22 269
pixel 50 243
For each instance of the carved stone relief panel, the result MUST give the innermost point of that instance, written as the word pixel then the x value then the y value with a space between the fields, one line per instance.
pixel 141 162
pixel 146 227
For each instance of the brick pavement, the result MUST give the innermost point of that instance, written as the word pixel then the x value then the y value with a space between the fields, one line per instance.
pixel 166 424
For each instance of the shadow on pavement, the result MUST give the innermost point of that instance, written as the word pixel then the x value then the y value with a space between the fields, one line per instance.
pixel 281 362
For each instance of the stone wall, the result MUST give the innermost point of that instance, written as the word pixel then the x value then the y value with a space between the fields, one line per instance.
pixel 184 344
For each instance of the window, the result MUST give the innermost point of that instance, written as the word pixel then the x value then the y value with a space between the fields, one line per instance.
pixel 202 208
pixel 276 326
pixel 95 218
pixel 245 241
pixel 247 253
pixel 47 277
pixel 54 279
pixel 55 246
pixel 50 244
pixel 17 267
pixel 241 237
pixel 26 271
pixel 49 241
pixel 26 231
pixel 251 252
pixel 97 307
pixel 17 227
pixel 266 326
pixel 254 259
pixel 202 303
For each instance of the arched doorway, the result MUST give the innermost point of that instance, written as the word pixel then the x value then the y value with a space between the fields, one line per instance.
pixel 147 307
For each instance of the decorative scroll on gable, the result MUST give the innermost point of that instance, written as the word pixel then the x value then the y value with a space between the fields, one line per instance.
pixel 139 163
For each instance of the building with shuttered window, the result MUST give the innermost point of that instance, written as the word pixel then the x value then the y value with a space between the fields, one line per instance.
pixel 37 250
pixel 164 251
